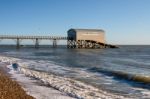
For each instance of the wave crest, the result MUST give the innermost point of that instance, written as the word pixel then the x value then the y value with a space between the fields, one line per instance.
pixel 123 75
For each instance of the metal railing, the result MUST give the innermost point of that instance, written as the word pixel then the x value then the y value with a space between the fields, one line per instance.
pixel 32 37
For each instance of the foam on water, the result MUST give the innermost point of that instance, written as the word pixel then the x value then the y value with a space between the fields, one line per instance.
pixel 34 89
pixel 37 69
pixel 69 86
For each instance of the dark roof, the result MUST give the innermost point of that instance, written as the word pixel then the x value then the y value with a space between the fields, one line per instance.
pixel 88 30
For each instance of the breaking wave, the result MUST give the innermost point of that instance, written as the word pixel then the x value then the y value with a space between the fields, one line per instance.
pixel 122 75
pixel 70 86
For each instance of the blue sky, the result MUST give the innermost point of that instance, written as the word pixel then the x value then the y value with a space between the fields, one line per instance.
pixel 125 21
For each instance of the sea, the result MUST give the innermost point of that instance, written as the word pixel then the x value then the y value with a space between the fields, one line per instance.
pixel 124 71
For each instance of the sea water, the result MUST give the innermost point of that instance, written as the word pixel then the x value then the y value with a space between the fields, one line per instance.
pixel 124 71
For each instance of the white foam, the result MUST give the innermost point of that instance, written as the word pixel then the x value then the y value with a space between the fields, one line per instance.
pixel 30 86
pixel 145 92
pixel 69 86
pixel 35 90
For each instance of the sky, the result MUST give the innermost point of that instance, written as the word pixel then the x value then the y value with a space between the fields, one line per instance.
pixel 125 21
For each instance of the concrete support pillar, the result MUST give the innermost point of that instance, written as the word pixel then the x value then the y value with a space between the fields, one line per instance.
pixel 36 43
pixel 68 44
pixel 54 43
pixel 18 43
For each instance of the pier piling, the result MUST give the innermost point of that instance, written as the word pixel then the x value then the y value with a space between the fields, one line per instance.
pixel 54 43
pixel 37 43
pixel 18 43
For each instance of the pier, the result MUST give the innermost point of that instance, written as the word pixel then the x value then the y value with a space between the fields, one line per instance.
pixel 70 42
pixel 36 39
pixel 76 38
